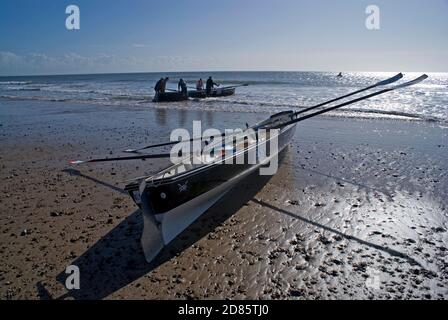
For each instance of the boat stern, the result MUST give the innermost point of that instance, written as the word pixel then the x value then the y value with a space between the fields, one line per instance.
pixel 151 238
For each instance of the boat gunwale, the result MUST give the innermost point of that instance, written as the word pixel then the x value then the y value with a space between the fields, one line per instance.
pixel 168 180
pixel 163 181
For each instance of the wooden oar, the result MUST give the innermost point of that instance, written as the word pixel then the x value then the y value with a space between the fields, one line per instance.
pixel 165 144
pixel 381 83
pixel 142 157
pixel 231 87
pixel 403 85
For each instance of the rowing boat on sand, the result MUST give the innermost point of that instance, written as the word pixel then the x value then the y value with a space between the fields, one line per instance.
pixel 174 198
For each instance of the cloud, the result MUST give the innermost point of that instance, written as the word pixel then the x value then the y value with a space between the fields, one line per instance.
pixel 9 59
pixel 40 63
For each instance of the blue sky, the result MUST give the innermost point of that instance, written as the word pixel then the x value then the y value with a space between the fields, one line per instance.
pixel 180 35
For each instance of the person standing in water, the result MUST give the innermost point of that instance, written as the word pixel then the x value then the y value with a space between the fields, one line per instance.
pixel 182 86
pixel 200 85
pixel 209 86
pixel 158 86
pixel 163 85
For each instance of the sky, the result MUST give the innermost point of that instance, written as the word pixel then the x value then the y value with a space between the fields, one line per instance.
pixel 250 35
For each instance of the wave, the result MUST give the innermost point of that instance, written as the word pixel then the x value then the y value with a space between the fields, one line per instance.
pixel 50 99
pixel 66 90
pixel 291 83
pixel 387 113
pixel 15 82
pixel 131 98
pixel 431 86
pixel 23 89
pixel 133 80
pixel 268 92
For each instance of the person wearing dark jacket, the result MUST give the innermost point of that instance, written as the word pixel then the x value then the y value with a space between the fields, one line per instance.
pixel 163 85
pixel 182 86
pixel 209 85
pixel 158 86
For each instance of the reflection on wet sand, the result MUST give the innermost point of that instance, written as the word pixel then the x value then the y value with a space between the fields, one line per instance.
pixel 182 114
pixel 161 116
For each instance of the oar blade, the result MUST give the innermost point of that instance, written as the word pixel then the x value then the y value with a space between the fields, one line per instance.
pixel 381 83
pixel 390 80
pixel 308 116
pixel 76 162
pixel 412 82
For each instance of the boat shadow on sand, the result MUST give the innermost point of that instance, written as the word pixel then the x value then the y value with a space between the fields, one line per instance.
pixel 293 215
pixel 117 259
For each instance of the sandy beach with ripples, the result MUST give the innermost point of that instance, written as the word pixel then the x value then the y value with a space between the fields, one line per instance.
pixel 357 210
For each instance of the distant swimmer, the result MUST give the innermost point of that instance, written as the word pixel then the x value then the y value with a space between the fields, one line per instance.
pixel 340 75
pixel 209 85
pixel 200 85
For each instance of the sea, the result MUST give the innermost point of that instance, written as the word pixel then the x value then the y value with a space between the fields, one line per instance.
pixel 267 92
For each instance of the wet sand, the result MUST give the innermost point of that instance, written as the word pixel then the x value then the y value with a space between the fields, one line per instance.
pixel 358 210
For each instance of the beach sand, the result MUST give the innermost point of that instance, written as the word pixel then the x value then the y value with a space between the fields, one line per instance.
pixel 358 210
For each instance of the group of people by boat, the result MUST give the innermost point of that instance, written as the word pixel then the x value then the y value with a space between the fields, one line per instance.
pixel 184 92
pixel 163 94
pixel 160 87
pixel 209 85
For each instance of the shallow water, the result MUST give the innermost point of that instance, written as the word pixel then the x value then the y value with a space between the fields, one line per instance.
pixel 267 92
